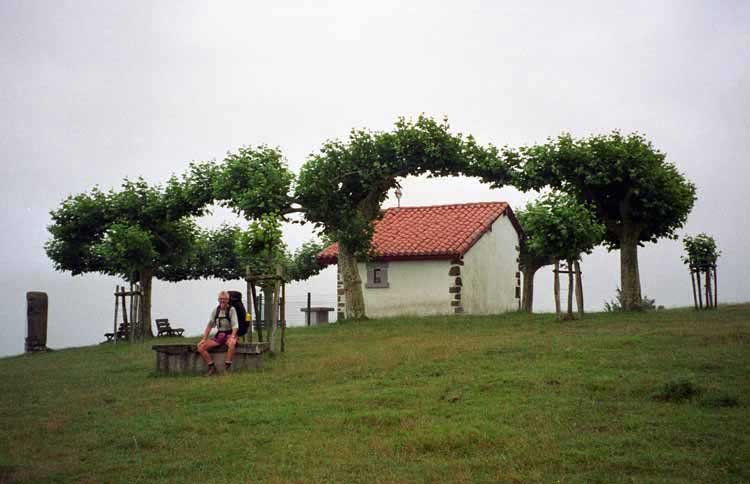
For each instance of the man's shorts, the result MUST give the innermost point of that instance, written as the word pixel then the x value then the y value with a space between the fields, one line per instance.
pixel 222 337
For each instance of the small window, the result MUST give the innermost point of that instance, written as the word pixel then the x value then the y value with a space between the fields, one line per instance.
pixel 377 275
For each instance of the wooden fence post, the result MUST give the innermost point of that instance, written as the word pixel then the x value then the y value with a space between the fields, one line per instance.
pixel 557 289
pixel 692 281
pixel 282 315
pixel 700 289
pixel 117 305
pixel 307 315
pixel 570 289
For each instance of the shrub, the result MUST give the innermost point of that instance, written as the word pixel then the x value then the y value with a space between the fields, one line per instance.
pixel 647 304
pixel 677 390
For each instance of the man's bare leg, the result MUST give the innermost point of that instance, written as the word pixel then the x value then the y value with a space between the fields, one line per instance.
pixel 232 345
pixel 203 351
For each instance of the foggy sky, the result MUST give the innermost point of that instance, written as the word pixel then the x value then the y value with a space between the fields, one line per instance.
pixel 92 92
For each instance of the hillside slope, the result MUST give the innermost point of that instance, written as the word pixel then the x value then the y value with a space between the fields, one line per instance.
pixel 462 399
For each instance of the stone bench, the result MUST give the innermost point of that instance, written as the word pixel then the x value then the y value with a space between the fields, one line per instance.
pixel 184 360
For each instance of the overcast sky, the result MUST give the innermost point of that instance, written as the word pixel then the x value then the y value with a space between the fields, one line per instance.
pixel 92 92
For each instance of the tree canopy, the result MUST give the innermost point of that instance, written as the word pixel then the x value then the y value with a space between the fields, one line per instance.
pixel 254 182
pixel 700 251
pixel 137 233
pixel 635 193
pixel 343 185
pixel 557 225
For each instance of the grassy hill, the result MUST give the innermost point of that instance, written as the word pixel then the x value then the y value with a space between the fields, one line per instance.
pixel 656 397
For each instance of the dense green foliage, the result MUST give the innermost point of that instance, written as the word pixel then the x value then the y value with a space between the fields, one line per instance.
pixel 635 193
pixel 123 232
pixel 229 252
pixel 516 398
pixel 701 251
pixel 623 178
pixel 137 233
pixel 343 186
pixel 558 226
pixel 254 182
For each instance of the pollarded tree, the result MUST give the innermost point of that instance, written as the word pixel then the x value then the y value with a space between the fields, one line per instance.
pixel 636 194
pixel 137 233
pixel 557 227
pixel 342 187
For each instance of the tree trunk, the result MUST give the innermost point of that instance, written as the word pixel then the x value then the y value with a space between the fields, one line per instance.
pixel 579 289
pixel 353 296
pixel 275 312
pixel 629 278
pixel 255 308
pixel 692 280
pixel 700 289
pixel 249 298
pixel 147 276
pixel 716 289
pixel 527 296
pixel 557 289
pixel 268 303
pixel 709 292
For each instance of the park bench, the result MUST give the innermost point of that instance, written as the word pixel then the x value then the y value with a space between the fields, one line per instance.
pixel 123 332
pixel 164 329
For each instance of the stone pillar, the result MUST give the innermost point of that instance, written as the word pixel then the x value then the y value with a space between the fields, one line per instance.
pixel 455 285
pixel 36 321
pixel 340 298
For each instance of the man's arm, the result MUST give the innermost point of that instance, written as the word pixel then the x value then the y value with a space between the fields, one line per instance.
pixel 206 332
pixel 235 323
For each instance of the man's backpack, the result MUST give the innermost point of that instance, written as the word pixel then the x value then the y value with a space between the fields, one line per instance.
pixel 235 301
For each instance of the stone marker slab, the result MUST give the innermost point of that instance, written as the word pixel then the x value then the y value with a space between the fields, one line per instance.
pixel 36 321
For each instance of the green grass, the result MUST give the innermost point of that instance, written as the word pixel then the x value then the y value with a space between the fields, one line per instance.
pixel 514 398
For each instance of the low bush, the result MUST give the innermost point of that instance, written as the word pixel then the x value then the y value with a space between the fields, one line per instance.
pixel 677 390
pixel 647 304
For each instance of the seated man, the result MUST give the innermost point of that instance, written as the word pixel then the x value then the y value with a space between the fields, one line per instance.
pixel 224 319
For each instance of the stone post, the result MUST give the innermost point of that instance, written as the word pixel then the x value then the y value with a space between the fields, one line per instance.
pixel 36 321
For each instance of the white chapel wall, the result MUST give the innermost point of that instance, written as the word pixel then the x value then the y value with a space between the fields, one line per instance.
pixel 415 288
pixel 489 271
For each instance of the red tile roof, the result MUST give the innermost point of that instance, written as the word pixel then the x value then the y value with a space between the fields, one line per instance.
pixel 434 232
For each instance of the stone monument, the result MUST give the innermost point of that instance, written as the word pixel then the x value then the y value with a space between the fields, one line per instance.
pixel 36 321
